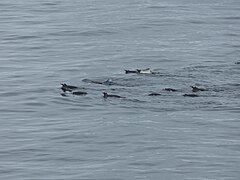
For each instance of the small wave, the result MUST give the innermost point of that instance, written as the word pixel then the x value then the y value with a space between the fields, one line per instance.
pixel 197 22
pixel 230 18
pixel 97 33
pixel 50 3
pixel 87 33
pixel 17 37
pixel 157 7
pixel 232 34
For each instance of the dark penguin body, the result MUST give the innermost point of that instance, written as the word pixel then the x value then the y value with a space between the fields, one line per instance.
pixel 139 71
pixel 79 93
pixel 131 71
pixel 144 71
pixel 66 87
pixel 190 95
pixel 106 95
pixel 63 94
pixel 196 89
pixel 154 94
pixel 107 82
pixel 170 90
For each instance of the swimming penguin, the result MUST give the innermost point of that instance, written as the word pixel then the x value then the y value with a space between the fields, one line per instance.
pixel 66 87
pixel 144 71
pixel 139 71
pixel 238 62
pixel 107 82
pixel 154 94
pixel 190 95
pixel 131 71
pixel 196 89
pixel 170 89
pixel 63 94
pixel 79 93
pixel 106 95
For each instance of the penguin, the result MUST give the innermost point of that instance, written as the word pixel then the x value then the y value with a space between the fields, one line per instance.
pixel 106 95
pixel 79 93
pixel 190 95
pixel 154 94
pixel 131 71
pixel 170 89
pixel 196 89
pixel 66 87
pixel 139 71
pixel 144 71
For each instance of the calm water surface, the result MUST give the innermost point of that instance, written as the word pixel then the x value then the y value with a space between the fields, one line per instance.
pixel 44 135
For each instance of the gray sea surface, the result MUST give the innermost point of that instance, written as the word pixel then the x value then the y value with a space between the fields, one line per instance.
pixel 46 133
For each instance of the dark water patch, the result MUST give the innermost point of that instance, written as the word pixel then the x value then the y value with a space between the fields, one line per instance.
pixel 143 163
pixel 234 147
pixel 224 108
pixel 150 25
pixel 55 3
pixel 12 94
pixel 70 159
pixel 6 171
pixel 169 7
pixel 87 33
pixel 235 85
pixel 35 104
pixel 18 37
pixel 112 143
pixel 49 10
pixel 76 136
pixel 17 111
pixel 63 33
pixel 26 153
pixel 31 21
pixel 98 32
pixel 232 34
pixel 114 178
pixel 72 99
pixel 204 67
pixel 237 46
pixel 36 47
pixel 161 109
pixel 157 7
pixel 133 134
pixel 229 8
pixel 134 100
pixel 197 22
pixel 230 17
pixel 157 148
pixel 4 4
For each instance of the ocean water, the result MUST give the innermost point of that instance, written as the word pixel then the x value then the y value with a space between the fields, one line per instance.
pixel 48 134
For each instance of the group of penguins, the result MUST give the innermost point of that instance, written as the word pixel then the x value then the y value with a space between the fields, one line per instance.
pixel 75 90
